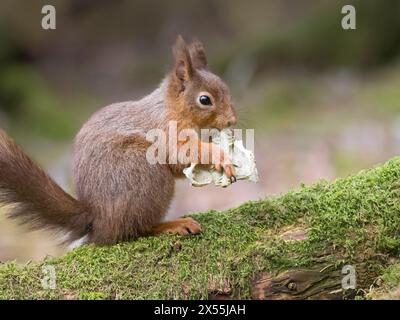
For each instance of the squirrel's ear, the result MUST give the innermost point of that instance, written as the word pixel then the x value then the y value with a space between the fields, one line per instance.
pixel 183 69
pixel 198 54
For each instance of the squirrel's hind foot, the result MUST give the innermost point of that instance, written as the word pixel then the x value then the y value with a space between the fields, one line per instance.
pixel 182 226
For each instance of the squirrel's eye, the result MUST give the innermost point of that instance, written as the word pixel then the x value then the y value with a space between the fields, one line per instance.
pixel 205 100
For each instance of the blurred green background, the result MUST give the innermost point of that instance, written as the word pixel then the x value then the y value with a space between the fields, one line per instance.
pixel 324 101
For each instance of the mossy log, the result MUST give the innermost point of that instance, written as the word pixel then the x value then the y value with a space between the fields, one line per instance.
pixel 289 247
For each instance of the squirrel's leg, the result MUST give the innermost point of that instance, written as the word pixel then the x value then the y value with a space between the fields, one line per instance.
pixel 182 226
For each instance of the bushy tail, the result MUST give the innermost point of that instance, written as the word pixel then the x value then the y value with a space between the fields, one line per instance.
pixel 35 198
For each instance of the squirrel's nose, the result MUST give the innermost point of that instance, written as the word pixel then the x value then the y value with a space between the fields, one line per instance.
pixel 232 121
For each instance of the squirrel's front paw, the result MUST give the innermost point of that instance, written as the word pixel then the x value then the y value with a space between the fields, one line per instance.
pixel 225 163
pixel 183 226
pixel 229 171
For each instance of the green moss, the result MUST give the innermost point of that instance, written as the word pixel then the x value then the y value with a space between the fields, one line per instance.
pixel 389 284
pixel 93 296
pixel 353 219
pixel 391 276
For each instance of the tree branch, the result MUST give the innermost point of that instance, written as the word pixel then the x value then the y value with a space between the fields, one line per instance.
pixel 289 247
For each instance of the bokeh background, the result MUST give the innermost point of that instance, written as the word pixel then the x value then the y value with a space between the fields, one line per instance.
pixel 324 102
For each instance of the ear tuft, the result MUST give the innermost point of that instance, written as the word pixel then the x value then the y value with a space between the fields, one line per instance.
pixel 198 54
pixel 183 64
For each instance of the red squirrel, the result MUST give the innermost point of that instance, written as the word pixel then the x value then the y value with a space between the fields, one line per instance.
pixel 119 194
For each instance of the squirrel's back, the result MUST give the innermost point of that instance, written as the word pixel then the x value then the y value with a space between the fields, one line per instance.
pixel 111 173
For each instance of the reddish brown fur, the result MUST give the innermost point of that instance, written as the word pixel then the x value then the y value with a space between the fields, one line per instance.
pixel 183 226
pixel 119 194
pixel 35 197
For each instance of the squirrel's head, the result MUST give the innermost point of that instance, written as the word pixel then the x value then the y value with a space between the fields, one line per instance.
pixel 194 92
